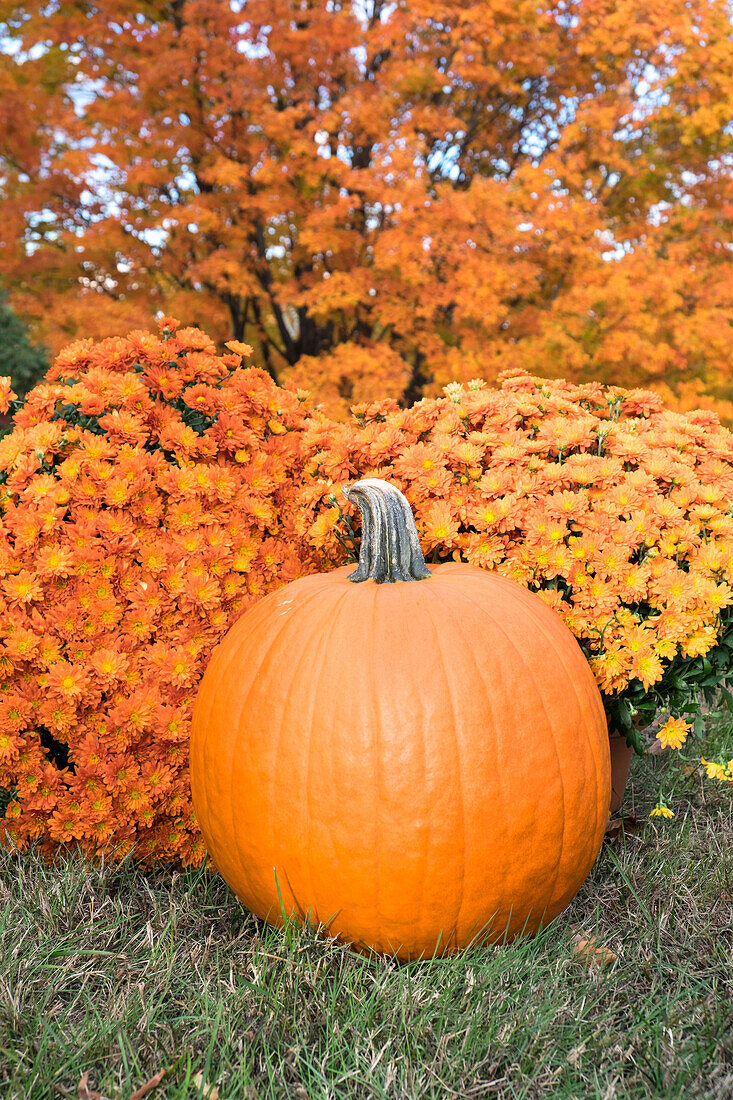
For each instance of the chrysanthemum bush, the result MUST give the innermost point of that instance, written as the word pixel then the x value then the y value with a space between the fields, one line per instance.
pixel 148 496
pixel 151 490
pixel 614 510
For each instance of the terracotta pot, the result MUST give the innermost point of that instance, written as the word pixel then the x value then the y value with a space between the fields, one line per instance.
pixel 621 754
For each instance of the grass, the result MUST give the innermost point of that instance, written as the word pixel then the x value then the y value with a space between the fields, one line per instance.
pixel 120 975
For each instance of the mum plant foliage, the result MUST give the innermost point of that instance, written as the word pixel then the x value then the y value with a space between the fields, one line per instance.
pixel 149 495
pixel 152 489
pixel 613 509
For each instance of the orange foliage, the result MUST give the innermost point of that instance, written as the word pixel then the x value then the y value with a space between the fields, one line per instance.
pixel 381 197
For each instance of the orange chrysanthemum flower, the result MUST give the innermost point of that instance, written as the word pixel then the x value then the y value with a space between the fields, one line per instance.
pixel 125 547
pixel 131 540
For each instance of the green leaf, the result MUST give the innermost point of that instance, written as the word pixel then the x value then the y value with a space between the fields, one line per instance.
pixel 727 698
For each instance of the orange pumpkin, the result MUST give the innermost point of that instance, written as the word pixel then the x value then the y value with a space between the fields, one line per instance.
pixel 414 757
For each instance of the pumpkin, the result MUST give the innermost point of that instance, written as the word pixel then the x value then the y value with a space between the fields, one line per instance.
pixel 415 758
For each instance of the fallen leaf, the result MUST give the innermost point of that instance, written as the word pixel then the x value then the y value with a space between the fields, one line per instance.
pixel 629 824
pixel 148 1086
pixel 83 1092
pixel 587 950
pixel 208 1092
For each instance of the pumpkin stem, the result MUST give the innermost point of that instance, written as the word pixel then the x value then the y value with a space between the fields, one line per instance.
pixel 390 549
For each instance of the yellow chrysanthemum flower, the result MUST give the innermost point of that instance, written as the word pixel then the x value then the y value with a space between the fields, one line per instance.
pixel 722 772
pixel 661 811
pixel 673 733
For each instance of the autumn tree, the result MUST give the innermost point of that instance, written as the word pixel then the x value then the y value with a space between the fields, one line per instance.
pixel 380 197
